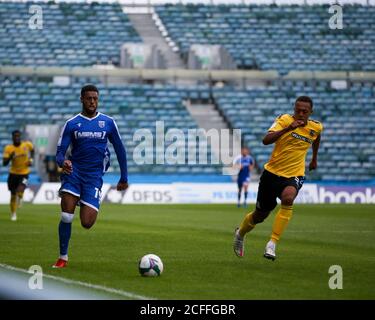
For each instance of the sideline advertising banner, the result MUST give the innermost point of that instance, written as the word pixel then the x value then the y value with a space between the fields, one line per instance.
pixel 174 193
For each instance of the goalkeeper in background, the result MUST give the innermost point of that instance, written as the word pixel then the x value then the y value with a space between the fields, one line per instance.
pixel 284 173
pixel 20 154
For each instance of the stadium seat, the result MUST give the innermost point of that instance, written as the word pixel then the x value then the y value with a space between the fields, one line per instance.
pixel 272 37
pixel 74 34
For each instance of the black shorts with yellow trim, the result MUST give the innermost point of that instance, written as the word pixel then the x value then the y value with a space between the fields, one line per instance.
pixel 14 180
pixel 270 188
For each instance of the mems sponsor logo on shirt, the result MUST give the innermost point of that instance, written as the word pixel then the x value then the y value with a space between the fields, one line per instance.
pixel 90 134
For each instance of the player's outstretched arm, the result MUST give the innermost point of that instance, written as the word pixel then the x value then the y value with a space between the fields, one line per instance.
pixel 62 146
pixel 314 161
pixel 115 139
pixel 252 165
pixel 272 136
pixel 31 159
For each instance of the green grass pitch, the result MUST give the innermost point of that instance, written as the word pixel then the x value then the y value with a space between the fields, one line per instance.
pixel 195 244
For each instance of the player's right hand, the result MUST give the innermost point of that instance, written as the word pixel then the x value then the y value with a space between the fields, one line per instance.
pixel 67 167
pixel 121 186
pixel 296 124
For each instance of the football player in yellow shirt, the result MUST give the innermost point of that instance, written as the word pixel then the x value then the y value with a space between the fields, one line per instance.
pixel 284 173
pixel 20 154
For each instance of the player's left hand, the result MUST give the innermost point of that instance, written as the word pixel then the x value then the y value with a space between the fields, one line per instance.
pixel 121 186
pixel 313 165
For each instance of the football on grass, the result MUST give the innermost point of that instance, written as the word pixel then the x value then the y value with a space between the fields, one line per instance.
pixel 150 265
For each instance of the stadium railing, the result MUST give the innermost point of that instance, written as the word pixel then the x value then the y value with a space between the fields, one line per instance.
pixel 182 74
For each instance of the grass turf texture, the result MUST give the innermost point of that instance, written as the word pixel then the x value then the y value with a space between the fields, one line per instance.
pixel 195 244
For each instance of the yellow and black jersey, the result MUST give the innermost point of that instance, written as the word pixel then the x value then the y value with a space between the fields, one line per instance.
pixel 288 156
pixel 20 160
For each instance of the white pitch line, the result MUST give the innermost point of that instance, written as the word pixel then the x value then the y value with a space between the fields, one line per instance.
pixel 123 293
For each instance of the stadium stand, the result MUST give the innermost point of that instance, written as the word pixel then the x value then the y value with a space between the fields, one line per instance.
pixel 271 37
pixel 134 106
pixel 264 37
pixel 347 150
pixel 73 34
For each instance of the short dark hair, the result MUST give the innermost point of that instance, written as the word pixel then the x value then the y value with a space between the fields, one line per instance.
pixel 15 132
pixel 305 99
pixel 88 87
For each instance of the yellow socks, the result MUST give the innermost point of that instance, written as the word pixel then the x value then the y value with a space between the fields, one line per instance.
pixel 20 195
pixel 281 221
pixel 13 203
pixel 247 224
pixel 19 198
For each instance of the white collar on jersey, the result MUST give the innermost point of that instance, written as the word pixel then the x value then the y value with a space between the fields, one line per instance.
pixel 97 115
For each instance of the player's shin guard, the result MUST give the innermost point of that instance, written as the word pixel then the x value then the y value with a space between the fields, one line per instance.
pixel 247 224
pixel 65 230
pixel 281 221
pixel 13 203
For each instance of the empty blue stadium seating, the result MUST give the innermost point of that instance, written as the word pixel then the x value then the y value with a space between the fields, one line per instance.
pixel 279 38
pixel 73 34
pixel 347 141
pixel 134 106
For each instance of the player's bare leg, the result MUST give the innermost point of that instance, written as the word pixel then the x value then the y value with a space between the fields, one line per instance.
pixel 20 190
pixel 281 220
pixel 88 216
pixel 245 187
pixel 13 206
pixel 68 204
pixel 239 197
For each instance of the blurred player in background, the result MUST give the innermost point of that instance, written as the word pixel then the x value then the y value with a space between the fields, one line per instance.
pixel 284 173
pixel 81 180
pixel 21 155
pixel 245 164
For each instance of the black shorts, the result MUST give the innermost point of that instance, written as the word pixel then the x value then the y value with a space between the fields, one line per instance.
pixel 270 188
pixel 14 180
